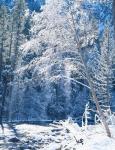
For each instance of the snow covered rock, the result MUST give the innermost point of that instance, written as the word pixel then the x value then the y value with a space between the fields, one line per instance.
pixel 14 140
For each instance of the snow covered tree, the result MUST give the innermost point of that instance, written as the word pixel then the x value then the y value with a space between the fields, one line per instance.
pixel 16 29
pixel 105 72
pixel 61 54
pixel 4 48
pixel 3 35
pixel 11 36
pixel 88 74
pixel 113 6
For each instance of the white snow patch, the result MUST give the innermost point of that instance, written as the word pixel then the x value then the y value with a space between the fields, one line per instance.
pixel 55 136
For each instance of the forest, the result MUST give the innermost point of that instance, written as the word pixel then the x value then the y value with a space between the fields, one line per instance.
pixel 57 68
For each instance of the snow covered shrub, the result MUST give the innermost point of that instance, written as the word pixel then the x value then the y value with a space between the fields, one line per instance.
pixel 97 119
pixel 86 116
pixel 110 117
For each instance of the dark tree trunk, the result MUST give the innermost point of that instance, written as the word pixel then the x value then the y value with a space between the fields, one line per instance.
pixel 2 105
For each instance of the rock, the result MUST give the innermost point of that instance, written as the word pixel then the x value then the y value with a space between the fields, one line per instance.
pixel 34 141
pixel 57 133
pixel 14 140
pixel 67 131
pixel 26 147
pixel 56 130
pixel 2 138
pixel 21 148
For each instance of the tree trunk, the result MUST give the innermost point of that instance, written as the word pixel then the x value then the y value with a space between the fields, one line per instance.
pixel 100 112
pixel 95 99
pixel 3 104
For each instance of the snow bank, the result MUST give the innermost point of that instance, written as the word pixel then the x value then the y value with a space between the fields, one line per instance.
pixel 59 136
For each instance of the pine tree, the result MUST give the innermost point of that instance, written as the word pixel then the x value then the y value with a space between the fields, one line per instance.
pixel 3 35
pixel 88 73
pixel 105 72
pixel 11 36
pixel 17 27
pixel 4 45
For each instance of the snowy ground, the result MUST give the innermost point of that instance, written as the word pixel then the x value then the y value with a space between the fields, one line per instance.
pixel 56 136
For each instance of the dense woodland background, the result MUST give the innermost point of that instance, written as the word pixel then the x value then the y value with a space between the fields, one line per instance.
pixel 49 54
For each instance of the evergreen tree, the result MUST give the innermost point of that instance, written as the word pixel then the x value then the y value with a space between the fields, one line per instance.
pixel 11 37
pixel 4 46
pixel 17 27
pixel 3 35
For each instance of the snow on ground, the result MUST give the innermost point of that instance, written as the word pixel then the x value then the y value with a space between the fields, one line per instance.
pixel 56 136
